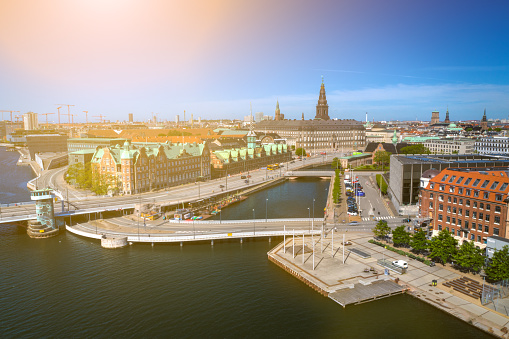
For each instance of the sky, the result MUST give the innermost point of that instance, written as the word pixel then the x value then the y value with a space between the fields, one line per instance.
pixel 395 60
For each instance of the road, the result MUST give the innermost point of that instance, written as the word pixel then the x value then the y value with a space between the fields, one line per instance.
pixel 172 195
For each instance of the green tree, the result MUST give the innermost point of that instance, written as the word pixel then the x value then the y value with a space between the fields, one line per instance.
pixel 469 257
pixel 443 246
pixel 468 129
pixel 300 152
pixel 415 149
pixel 419 243
pixel 381 230
pixel 336 163
pixel 400 237
pixel 100 183
pixel 498 269
pixel 380 182
pixel 382 158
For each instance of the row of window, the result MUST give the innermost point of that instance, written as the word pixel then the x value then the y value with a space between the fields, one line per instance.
pixel 476 182
pixel 482 216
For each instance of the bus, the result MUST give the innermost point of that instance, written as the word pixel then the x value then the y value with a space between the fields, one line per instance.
pixel 273 167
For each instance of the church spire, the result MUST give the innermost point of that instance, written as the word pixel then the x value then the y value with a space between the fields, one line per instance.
pixel 447 116
pixel 322 109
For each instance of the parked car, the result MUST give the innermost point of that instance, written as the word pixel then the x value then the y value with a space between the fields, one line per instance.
pixel 400 264
pixel 360 193
pixel 407 220
pixel 243 177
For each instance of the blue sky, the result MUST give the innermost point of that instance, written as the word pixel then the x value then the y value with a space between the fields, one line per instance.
pixel 393 59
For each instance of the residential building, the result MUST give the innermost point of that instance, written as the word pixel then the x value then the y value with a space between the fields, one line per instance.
pixel 471 203
pixel 132 169
pixel 83 156
pixel 492 145
pixel 450 145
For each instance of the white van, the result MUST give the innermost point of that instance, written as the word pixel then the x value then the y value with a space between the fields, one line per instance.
pixel 400 264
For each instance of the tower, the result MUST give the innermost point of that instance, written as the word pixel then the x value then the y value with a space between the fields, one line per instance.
pixel 447 121
pixel 322 109
pixel 278 116
pixel 251 136
pixel 44 226
pixel 435 117
pixel 394 138
pixel 484 121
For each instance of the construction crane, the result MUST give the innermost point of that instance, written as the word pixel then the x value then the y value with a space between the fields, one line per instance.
pixel 86 116
pixel 3 111
pixel 68 112
pixel 46 114
pixel 18 117
pixel 58 110
pixel 100 116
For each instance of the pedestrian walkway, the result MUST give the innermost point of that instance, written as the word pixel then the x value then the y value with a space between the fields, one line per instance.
pixel 377 218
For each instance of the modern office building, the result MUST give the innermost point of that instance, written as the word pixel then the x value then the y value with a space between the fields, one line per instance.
pixel 41 143
pixel 450 145
pixel 406 172
pixel 471 203
pixel 131 118
pixel 492 145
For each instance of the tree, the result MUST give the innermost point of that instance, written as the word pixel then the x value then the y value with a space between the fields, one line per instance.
pixel 300 152
pixel 498 269
pixel 400 237
pixel 415 149
pixel 381 230
pixel 382 158
pixel 336 163
pixel 419 243
pixel 469 257
pixel 443 246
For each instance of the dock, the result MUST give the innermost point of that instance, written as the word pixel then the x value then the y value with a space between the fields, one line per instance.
pixel 361 293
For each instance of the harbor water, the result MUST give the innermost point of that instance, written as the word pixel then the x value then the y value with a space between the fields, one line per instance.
pixel 69 286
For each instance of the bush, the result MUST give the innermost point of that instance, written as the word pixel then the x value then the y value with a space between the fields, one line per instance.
pixel 392 249
pixel 380 178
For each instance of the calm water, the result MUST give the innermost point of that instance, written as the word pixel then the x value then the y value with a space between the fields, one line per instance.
pixel 70 287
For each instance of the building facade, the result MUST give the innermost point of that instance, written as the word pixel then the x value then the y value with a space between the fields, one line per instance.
pixel 132 169
pixel 450 146
pixel 471 203
pixel 41 143
pixel 435 117
pixel 492 145
pixel 80 144
pixel 30 121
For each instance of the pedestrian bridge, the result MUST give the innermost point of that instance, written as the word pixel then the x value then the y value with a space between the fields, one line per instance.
pixel 309 173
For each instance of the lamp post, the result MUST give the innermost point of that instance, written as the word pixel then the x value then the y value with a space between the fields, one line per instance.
pixel 313 220
pixel 254 227
pixel 221 210
pixel 309 218
pixel 266 202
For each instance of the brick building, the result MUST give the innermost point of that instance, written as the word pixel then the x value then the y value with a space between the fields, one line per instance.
pixel 132 169
pixel 471 203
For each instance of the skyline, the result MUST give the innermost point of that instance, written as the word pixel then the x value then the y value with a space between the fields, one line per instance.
pixel 394 60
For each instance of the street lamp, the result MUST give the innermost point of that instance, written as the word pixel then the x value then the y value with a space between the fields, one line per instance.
pixel 254 227
pixel 313 220
pixel 266 202
pixel 309 217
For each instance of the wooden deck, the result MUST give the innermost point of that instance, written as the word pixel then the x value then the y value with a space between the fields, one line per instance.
pixel 364 293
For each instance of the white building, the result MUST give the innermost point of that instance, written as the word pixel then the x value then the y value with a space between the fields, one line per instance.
pixel 30 121
pixel 450 145
pixel 492 145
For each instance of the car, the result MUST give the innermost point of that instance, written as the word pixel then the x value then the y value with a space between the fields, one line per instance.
pixel 243 177
pixel 400 264
pixel 353 223
pixel 406 220
pixel 348 194
pixel 360 193
pixel 221 186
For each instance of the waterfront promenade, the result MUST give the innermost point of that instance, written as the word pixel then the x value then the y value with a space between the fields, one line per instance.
pixel 327 274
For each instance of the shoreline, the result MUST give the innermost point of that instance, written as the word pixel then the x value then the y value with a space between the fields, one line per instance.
pixel 416 282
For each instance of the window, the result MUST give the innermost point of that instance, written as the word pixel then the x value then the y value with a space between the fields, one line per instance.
pixel 468 181
pixel 439 227
pixel 466 223
pixel 441 197
pixel 481 215
pixel 504 186
pixel 432 185
pixel 449 199
pixel 449 209
pixel 460 211
pixel 494 185
pixel 475 204
pixel 487 217
pixel 452 178
pixel 448 219
pixel 442 187
pixel 473 226
pixel 458 233
pixel 460 179
pixel 467 213
pixel 486 229
pixel 440 207
pixel 431 204
pixel 498 197
pixel 467 192
pixel 497 219
pixel 495 231
pixel 447 229
pixel 460 202
pixel 481 205
pixel 478 238
pixel 474 215
pixel 460 190
pixel 454 210
pixel 455 200
pixel 451 189
pixel 476 193
pixel 488 207
pixel 431 195
pixel 467 202
pixel 486 195
pixel 454 220
pixel 498 209
pixel 485 183
pixel 472 237
pixel 445 177
pixel 476 182
pixel 440 217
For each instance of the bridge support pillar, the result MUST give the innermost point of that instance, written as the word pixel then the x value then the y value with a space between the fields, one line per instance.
pixel 152 244
pixel 270 239
pixel 181 244
pixel 212 243
pixel 241 240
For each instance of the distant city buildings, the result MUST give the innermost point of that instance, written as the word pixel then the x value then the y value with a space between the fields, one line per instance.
pixel 492 145
pixel 30 121
pixel 131 118
pixel 450 146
